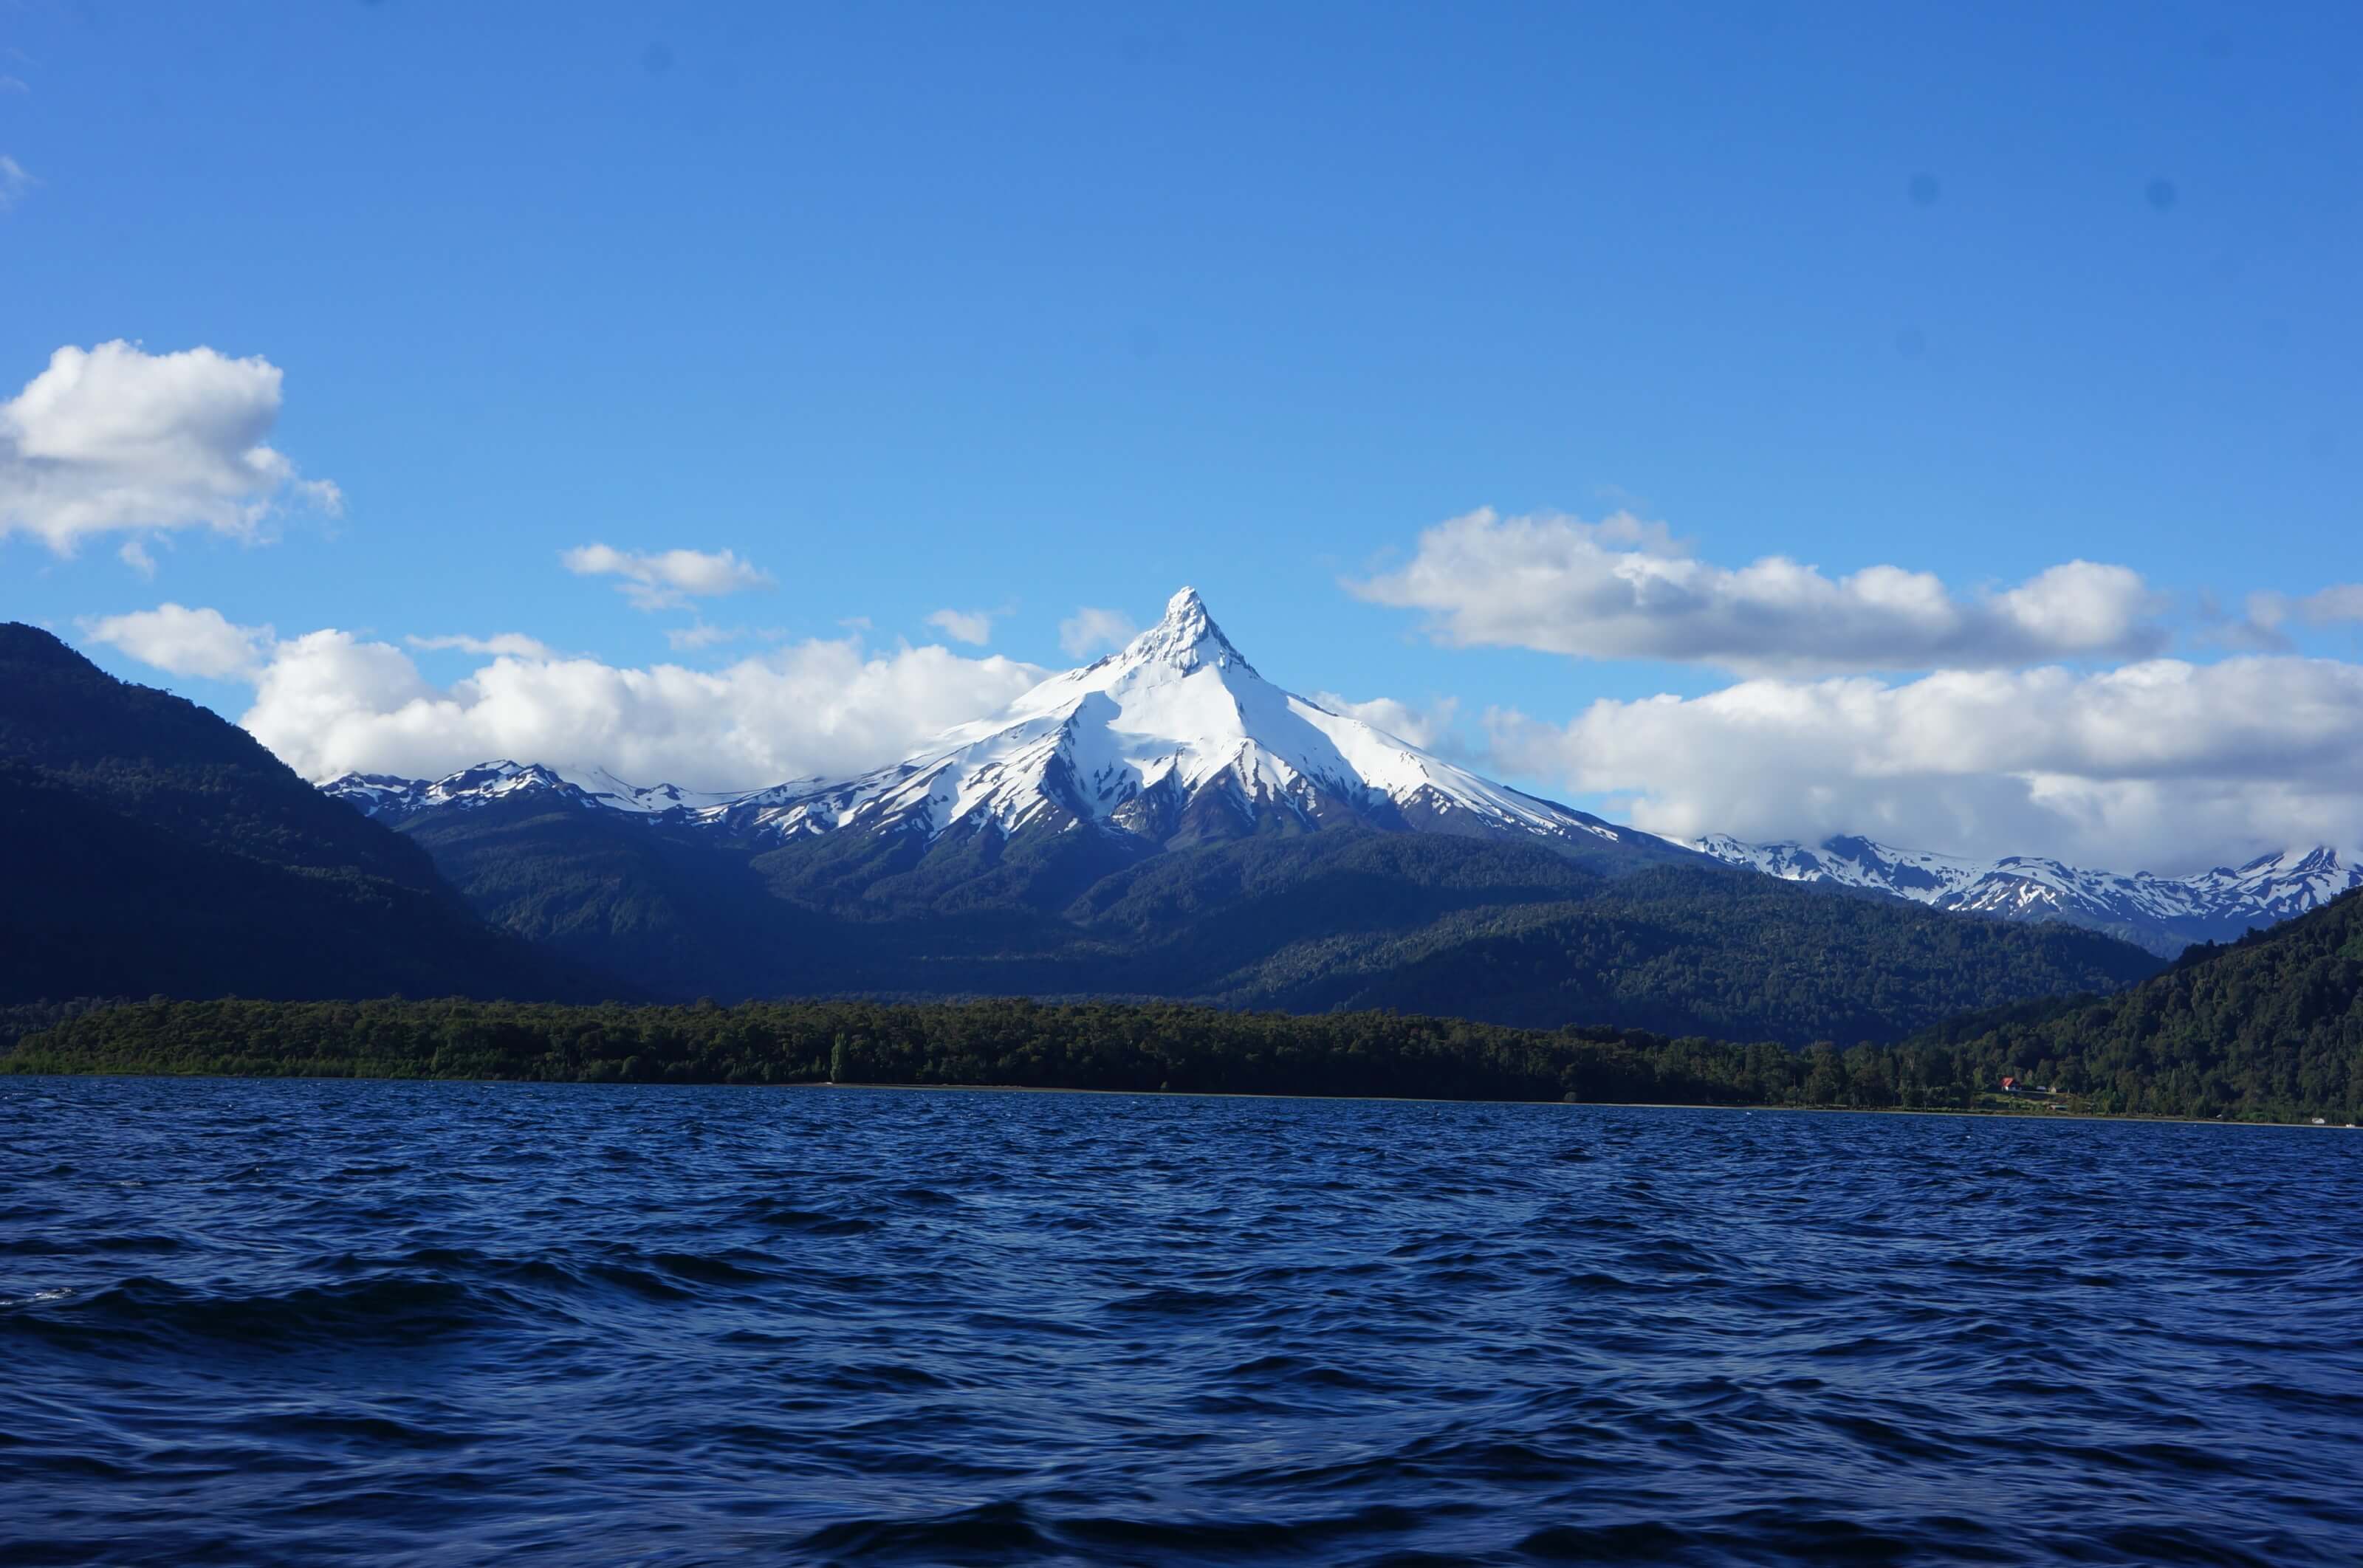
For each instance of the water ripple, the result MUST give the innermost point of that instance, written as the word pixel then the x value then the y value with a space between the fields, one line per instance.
pixel 437 1323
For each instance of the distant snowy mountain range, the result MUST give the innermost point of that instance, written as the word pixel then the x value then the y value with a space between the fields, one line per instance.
pixel 2164 914
pixel 1176 741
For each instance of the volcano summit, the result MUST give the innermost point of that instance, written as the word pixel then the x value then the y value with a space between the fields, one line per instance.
pixel 1167 822
pixel 1175 741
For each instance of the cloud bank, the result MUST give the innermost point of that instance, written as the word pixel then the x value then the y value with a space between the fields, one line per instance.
pixel 329 702
pixel 1624 589
pixel 332 701
pixel 2160 764
pixel 113 439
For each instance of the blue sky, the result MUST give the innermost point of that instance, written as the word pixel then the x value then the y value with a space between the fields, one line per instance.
pixel 1029 310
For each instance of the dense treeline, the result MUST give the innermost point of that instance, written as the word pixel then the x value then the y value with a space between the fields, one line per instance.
pixel 20 1018
pixel 1147 1046
pixel 2270 1025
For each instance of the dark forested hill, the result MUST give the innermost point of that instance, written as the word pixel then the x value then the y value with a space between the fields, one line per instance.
pixel 1507 932
pixel 177 767
pixel 2266 1026
pixel 681 916
pixel 1701 952
pixel 148 846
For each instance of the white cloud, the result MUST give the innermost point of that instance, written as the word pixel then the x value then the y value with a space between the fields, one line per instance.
pixel 113 438
pixel 134 553
pixel 1624 589
pixel 1087 631
pixel 2261 626
pixel 2153 765
pixel 2342 603
pixel 666 579
pixel 972 626
pixel 180 641
pixel 2268 612
pixel 331 702
pixel 1429 728
pixel 701 635
pixel 14 181
pixel 514 644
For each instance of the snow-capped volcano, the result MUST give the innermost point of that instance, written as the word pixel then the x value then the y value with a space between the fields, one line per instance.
pixel 1178 740
pixel 1175 740
pixel 2162 913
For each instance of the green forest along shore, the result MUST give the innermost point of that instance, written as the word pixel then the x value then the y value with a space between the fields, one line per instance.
pixel 1145 1047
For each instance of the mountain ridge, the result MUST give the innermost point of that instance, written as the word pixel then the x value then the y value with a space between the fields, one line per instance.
pixel 2163 915
pixel 1177 740
pixel 1166 823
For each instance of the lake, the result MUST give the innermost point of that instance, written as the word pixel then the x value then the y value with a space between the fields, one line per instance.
pixel 440 1323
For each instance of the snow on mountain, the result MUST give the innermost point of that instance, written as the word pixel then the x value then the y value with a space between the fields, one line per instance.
pixel 1176 739
pixel 2162 913
pixel 383 794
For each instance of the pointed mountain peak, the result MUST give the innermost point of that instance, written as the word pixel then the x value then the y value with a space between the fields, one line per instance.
pixel 1185 639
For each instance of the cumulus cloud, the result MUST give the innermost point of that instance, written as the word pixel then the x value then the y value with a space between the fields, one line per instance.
pixel 331 703
pixel 1087 631
pixel 1429 728
pixel 971 626
pixel 2144 766
pixel 113 438
pixel 180 641
pixel 1623 588
pixel 666 579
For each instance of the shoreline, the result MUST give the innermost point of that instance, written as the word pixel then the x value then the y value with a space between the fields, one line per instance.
pixel 1964 1112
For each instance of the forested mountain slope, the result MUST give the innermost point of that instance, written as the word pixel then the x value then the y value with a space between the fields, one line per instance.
pixel 1168 823
pixel 148 846
pixel 1505 932
pixel 2269 1023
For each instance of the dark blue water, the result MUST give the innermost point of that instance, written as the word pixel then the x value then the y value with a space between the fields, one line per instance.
pixel 446 1323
